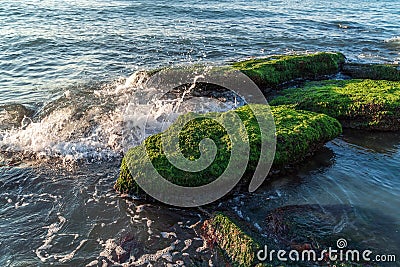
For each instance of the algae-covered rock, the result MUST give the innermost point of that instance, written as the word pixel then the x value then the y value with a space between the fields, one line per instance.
pixel 298 133
pixel 390 72
pixel 301 228
pixel 242 247
pixel 361 104
pixel 275 70
pixel 236 245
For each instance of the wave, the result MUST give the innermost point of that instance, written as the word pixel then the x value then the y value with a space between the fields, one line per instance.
pixel 393 44
pixel 12 115
pixel 395 39
pixel 90 122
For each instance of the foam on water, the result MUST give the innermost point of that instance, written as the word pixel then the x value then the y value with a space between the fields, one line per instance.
pixel 89 124
pixel 43 252
pixel 395 39
pixel 173 243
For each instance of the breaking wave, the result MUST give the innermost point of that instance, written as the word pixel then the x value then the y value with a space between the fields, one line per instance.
pixel 87 122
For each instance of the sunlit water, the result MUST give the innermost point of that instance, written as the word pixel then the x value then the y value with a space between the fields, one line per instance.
pixel 66 87
pixel 49 44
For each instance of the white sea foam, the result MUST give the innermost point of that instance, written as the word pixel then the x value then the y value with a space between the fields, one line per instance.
pixel 51 231
pixel 188 243
pixel 167 235
pixel 69 256
pixel 43 252
pixel 87 124
pixel 395 39
pixel 110 247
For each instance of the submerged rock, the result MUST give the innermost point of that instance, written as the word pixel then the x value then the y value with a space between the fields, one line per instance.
pixel 13 115
pixel 273 71
pixel 318 227
pixel 360 104
pixel 300 228
pixel 298 133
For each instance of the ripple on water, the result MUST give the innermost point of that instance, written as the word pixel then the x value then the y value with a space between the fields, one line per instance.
pixel 50 220
pixel 73 41
pixel 354 176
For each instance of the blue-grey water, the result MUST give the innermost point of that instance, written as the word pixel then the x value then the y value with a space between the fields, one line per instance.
pixel 48 44
pixel 64 87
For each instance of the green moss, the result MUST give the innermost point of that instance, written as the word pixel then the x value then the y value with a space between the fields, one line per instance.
pixel 240 247
pixel 388 72
pixel 275 70
pixel 364 104
pixel 235 244
pixel 298 133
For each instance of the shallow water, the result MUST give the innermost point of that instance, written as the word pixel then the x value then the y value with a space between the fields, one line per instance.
pixel 66 90
pixel 72 216
pixel 358 170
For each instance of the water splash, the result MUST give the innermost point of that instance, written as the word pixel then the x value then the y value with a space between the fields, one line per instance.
pixel 87 122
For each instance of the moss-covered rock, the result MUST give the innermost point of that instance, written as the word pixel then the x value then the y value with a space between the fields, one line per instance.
pixel 275 70
pixel 236 245
pixel 388 72
pixel 240 246
pixel 361 104
pixel 298 133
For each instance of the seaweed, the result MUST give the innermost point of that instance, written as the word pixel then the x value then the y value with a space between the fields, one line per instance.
pixel 390 72
pixel 275 70
pixel 236 245
pixel 360 104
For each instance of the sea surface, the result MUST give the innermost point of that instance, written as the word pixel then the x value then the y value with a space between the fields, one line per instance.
pixel 70 81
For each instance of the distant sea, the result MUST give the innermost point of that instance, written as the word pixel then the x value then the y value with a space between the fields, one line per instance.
pixel 47 44
pixel 67 72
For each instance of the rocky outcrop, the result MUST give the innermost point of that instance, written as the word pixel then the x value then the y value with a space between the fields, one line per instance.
pixel 360 104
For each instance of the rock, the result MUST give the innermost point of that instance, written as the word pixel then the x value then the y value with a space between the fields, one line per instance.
pixel 295 227
pixel 13 115
pixel 268 72
pixel 359 104
pixel 390 72
pixel 302 227
pixel 237 246
pixel 298 134
pixel 318 227
pixel 273 71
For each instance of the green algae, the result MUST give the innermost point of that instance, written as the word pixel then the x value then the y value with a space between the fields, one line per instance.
pixel 361 104
pixel 298 133
pixel 276 70
pixel 240 246
pixel 236 245
pixel 388 72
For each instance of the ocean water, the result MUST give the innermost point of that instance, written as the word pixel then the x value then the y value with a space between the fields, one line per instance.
pixel 69 71
pixel 51 44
